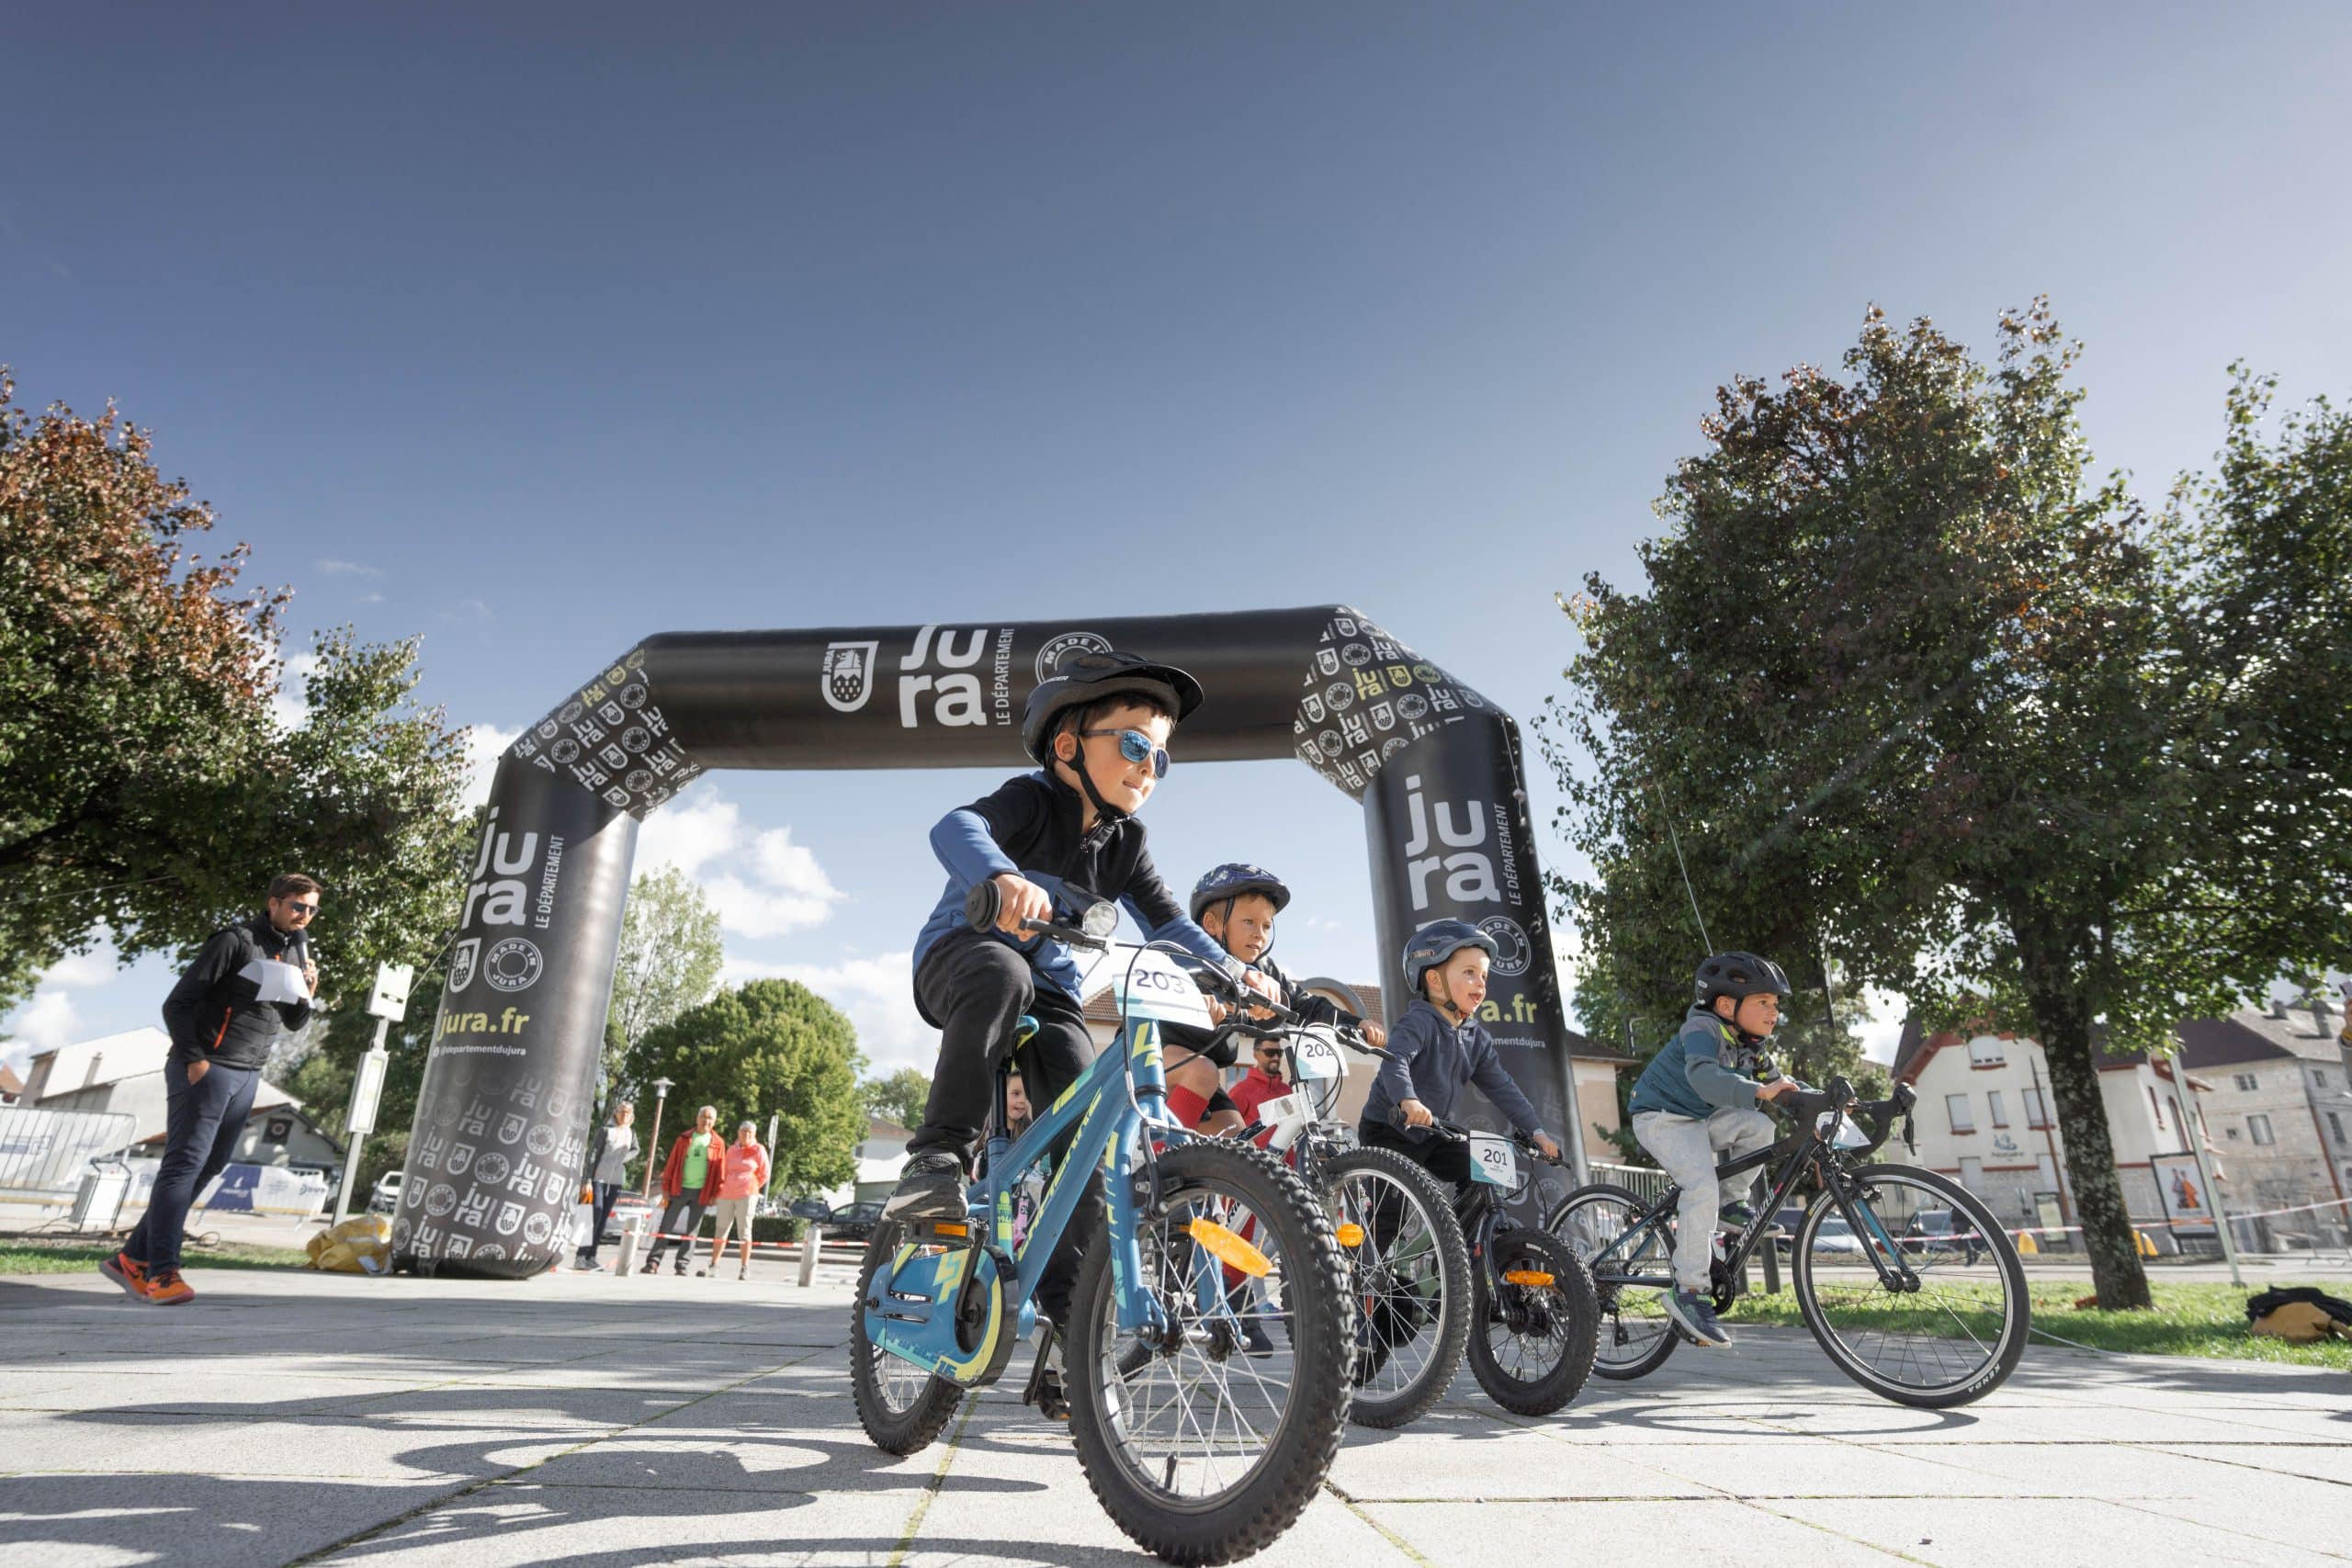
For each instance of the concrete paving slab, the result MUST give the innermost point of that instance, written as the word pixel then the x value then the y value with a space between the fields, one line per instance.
pixel 1495 1462
pixel 1812 1467
pixel 2316 1461
pixel 196 1521
pixel 2035 1532
pixel 1461 1534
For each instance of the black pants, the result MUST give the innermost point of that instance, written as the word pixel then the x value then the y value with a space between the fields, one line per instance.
pixel 681 1217
pixel 607 1193
pixel 1442 1158
pixel 202 1123
pixel 976 988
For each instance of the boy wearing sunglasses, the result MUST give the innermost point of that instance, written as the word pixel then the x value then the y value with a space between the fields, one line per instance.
pixel 1054 842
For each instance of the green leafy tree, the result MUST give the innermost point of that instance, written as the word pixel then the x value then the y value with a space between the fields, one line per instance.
pixel 320 1073
pixel 901 1097
pixel 1912 696
pixel 670 959
pixel 145 786
pixel 770 1047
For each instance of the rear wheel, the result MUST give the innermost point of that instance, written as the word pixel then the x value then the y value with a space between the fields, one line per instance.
pixel 902 1406
pixel 1597 1222
pixel 1201 1450
pixel 1531 1346
pixel 1948 1330
pixel 1409 1278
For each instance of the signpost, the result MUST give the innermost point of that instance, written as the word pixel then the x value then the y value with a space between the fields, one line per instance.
pixel 389 1004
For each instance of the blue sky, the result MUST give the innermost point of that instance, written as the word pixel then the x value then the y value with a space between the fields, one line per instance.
pixel 539 329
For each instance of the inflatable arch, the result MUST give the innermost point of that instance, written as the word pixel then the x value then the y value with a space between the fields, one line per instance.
pixel 503 1118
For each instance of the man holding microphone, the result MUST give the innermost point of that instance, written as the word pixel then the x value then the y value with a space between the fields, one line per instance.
pixel 249 982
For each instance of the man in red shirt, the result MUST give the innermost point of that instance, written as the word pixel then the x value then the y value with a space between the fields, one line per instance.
pixel 690 1184
pixel 1259 1085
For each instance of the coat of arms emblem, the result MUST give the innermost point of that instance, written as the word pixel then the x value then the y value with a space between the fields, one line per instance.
pixel 849 675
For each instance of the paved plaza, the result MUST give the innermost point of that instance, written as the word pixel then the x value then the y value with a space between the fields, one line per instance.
pixel 600 1422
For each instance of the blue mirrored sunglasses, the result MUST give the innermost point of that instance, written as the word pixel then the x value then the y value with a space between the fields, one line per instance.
pixel 1136 747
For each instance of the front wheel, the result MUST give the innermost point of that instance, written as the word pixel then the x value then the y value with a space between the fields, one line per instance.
pixel 1408 1280
pixel 1202 1439
pixel 1604 1226
pixel 902 1406
pixel 1532 1323
pixel 1951 1327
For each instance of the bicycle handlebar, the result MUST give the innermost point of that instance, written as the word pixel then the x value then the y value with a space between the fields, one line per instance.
pixel 1455 1133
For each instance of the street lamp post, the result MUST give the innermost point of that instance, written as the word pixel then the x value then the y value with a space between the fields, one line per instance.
pixel 662 1087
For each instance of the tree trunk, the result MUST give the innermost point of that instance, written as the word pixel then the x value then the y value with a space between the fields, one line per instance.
pixel 2063 1023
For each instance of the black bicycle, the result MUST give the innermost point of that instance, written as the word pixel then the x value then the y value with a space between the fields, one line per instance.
pixel 1925 1327
pixel 1534 1317
pixel 1408 1268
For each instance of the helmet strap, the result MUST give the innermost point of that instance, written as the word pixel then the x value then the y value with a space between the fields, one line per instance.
pixel 1103 810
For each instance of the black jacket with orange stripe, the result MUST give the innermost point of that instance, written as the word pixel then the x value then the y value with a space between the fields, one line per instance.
pixel 214 1013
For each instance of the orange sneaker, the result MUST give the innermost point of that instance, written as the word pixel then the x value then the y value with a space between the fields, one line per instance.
pixel 127 1271
pixel 165 1288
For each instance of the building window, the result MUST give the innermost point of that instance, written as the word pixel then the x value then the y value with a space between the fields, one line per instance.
pixel 2336 1126
pixel 1956 1107
pixel 1996 1112
pixel 2257 1127
pixel 1971 1173
pixel 1985 1051
pixel 2246 1082
pixel 2036 1113
pixel 2319 1078
pixel 2158 1106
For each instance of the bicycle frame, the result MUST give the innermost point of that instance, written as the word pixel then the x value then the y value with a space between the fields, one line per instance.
pixel 1807 1149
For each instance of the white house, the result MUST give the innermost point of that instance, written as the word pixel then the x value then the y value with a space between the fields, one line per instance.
pixel 124 1073
pixel 880 1155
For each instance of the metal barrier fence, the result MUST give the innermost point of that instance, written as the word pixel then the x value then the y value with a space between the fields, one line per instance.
pixel 50 1151
pixel 1643 1181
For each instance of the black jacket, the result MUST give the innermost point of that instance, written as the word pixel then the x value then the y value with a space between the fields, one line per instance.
pixel 212 1013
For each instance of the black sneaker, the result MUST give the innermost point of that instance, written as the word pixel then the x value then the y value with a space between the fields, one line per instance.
pixel 1695 1316
pixel 1254 1340
pixel 931 1188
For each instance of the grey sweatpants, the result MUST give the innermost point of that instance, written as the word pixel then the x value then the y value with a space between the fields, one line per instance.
pixel 1686 1149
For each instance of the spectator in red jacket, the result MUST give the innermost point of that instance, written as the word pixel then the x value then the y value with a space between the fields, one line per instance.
pixel 689 1185
pixel 1259 1085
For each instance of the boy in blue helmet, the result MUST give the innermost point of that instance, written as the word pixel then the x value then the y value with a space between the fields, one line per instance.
pixel 1053 841
pixel 1696 1101
pixel 1237 904
pixel 1437 1048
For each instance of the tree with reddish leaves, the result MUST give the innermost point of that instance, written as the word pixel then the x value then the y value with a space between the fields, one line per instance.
pixel 146 786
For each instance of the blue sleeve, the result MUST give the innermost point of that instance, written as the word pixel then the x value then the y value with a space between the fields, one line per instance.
pixel 967 848
pixel 1407 1040
pixel 1702 1063
pixel 1494 1080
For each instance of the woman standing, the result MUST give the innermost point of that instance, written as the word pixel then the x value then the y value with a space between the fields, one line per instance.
pixel 608 1157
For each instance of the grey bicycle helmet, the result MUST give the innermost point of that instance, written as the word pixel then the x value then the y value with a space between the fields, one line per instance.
pixel 1436 942
pixel 1233 879
pixel 1089 678
pixel 1738 976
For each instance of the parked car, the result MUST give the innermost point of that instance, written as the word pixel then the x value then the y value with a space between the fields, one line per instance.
pixel 387 1194
pixel 815 1209
pixel 624 1206
pixel 1932 1231
pixel 855 1222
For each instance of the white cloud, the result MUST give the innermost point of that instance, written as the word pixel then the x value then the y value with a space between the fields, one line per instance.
pixel 877 993
pixel 348 568
pixel 51 1019
pixel 761 884
pixel 484 744
pixel 371 598
pixel 291 703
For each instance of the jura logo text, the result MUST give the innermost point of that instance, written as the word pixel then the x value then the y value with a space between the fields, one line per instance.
pixel 497 886
pixel 954 691
pixel 1454 854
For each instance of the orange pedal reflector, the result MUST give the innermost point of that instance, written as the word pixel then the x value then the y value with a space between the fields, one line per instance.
pixel 1526 1277
pixel 1228 1248
pixel 1349 1234
pixel 949 1227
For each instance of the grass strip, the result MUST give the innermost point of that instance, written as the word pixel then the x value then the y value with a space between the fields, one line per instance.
pixel 2190 1318
pixel 32 1255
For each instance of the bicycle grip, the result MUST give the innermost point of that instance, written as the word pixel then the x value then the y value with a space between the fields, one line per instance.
pixel 982 905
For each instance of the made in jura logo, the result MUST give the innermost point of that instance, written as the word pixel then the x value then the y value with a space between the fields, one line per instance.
pixel 958 676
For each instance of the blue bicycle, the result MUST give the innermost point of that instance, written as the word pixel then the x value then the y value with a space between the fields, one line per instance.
pixel 1201 1443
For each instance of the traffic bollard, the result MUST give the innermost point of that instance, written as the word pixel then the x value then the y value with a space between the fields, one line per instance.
pixel 809 1253
pixel 632 1231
